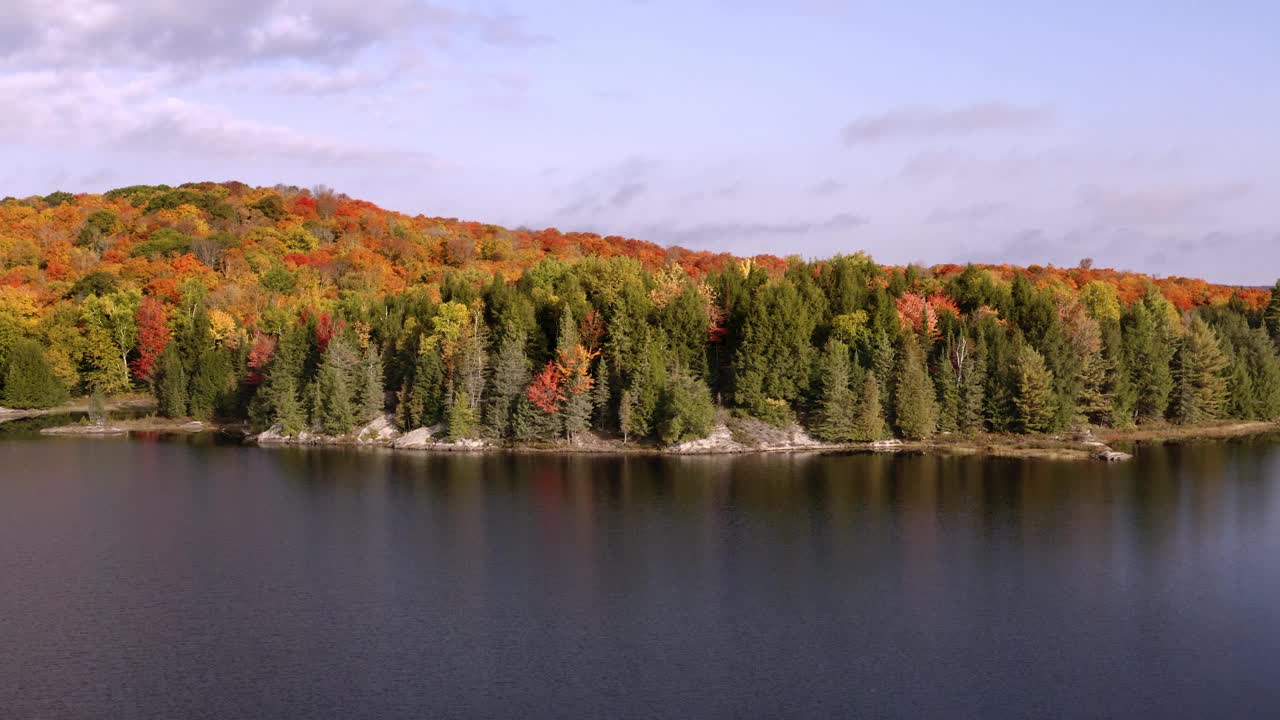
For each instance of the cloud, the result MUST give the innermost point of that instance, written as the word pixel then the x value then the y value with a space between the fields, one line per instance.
pixel 724 235
pixel 193 35
pixel 826 188
pixel 67 109
pixel 614 186
pixel 965 213
pixel 628 192
pixel 923 123
pixel 1161 205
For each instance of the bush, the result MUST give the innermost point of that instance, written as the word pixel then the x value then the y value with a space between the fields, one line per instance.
pixel 687 411
pixel 29 381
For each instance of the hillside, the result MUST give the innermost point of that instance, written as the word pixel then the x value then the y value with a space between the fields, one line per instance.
pixel 318 311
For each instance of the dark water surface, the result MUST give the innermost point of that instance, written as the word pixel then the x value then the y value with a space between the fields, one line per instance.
pixel 165 578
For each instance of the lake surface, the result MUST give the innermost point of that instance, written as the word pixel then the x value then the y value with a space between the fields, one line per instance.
pixel 177 578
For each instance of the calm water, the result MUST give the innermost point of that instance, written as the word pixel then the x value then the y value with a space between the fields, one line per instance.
pixel 163 578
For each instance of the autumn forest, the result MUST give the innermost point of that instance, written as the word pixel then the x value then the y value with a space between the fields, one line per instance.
pixel 309 311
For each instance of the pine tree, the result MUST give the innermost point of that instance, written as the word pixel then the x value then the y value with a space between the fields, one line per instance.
pixel 29 381
pixel 171 383
pixel 212 383
pixel 626 414
pixel 915 410
pixel 687 411
pixel 1095 396
pixel 1149 349
pixel 1271 316
pixel 835 416
pixel 461 420
pixel 372 398
pixel 600 397
pixel 1201 379
pixel 1034 398
pixel 869 425
pixel 972 375
pixel 334 412
pixel 510 378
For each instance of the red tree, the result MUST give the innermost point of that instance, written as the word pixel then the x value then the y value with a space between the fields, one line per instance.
pixel 153 336
pixel 546 391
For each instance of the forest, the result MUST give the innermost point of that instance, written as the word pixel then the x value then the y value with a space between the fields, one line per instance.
pixel 308 310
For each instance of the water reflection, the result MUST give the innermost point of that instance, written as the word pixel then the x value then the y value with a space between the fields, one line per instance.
pixel 193 578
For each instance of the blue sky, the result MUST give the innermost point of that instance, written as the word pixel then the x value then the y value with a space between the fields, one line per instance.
pixel 1141 134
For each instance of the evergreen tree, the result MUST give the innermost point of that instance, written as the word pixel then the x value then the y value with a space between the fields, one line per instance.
pixel 1095 396
pixel 1149 349
pixel 424 403
pixel 510 378
pixel 171 384
pixel 915 410
pixel 212 384
pixel 461 420
pixel 626 414
pixel 600 398
pixel 372 397
pixel 334 411
pixel 687 411
pixel 29 381
pixel 1201 379
pixel 836 413
pixel 869 425
pixel 972 377
pixel 773 361
pixel 1034 399
pixel 1271 316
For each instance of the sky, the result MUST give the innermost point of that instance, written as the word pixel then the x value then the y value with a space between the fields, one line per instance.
pixel 1140 134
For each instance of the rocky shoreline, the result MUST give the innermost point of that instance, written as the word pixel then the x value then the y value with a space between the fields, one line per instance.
pixel 731 436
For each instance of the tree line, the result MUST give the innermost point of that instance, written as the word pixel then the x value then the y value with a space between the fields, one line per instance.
pixel 847 348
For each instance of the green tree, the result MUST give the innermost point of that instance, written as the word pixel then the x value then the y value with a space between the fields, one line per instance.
pixel 171 383
pixel 774 359
pixel 916 412
pixel 836 415
pixel 1271 316
pixel 511 368
pixel 461 421
pixel 29 381
pixel 869 425
pixel 687 411
pixel 1149 348
pixel 372 398
pixel 1034 398
pixel 334 412
pixel 1201 379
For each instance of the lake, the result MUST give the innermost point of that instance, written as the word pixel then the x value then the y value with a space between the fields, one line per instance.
pixel 185 578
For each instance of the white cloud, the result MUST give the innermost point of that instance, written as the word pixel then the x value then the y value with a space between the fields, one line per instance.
pixel 101 110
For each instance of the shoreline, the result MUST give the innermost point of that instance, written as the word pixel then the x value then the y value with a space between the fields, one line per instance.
pixel 723 441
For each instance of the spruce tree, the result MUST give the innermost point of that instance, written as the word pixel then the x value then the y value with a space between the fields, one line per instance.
pixel 835 416
pixel 1149 349
pixel 372 396
pixel 1271 316
pixel 1201 379
pixel 915 410
pixel 869 424
pixel 972 378
pixel 600 397
pixel 1034 398
pixel 687 411
pixel 510 379
pixel 461 420
pixel 29 381
pixel 171 383
pixel 334 412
